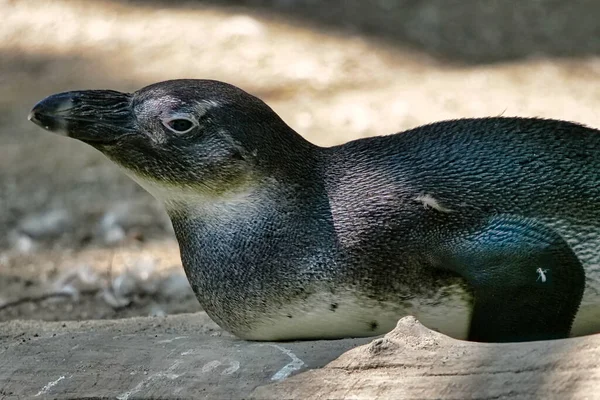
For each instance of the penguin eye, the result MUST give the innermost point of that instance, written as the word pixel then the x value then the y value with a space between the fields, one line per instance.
pixel 179 125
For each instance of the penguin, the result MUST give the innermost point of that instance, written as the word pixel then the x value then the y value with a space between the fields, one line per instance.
pixel 485 229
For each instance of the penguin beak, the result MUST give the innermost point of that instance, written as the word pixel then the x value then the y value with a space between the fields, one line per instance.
pixel 93 116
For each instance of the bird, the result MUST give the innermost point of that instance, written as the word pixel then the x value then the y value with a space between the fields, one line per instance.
pixel 485 229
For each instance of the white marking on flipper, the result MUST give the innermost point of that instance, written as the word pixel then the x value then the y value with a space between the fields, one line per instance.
pixel 542 274
pixel 430 202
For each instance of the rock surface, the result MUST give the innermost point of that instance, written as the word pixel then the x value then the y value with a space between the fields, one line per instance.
pixel 188 356
pixel 413 362
pixel 185 357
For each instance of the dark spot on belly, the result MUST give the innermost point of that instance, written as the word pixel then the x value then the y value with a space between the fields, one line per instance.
pixel 289 316
pixel 333 306
pixel 374 325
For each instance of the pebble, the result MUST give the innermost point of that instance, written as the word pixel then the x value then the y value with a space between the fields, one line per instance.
pixel 46 225
pixel 124 285
pixel 175 287
pixel 81 277
pixel 69 290
pixel 114 301
pixel 113 235
pixel 22 243
pixel 156 311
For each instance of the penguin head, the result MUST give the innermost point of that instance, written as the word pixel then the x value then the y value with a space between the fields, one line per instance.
pixel 198 136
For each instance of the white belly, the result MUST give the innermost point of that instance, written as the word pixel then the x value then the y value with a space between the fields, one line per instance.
pixel 315 318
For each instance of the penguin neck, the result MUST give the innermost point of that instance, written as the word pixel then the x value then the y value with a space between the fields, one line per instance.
pixel 270 200
pixel 283 154
pixel 260 222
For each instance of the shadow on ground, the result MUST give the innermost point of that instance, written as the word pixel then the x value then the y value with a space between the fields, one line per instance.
pixel 465 31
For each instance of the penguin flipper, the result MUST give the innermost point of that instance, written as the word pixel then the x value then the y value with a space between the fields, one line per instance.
pixel 527 281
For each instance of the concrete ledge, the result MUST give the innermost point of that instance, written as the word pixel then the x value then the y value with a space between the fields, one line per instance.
pixel 182 356
pixel 188 356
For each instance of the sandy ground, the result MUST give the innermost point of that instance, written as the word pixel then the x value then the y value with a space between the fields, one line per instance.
pixel 81 241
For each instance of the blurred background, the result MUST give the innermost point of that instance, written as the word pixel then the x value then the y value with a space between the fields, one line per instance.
pixel 79 240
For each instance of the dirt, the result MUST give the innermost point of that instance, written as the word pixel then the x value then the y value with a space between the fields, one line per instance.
pixel 76 231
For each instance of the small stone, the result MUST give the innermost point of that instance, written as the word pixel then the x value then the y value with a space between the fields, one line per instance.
pixel 124 217
pixel 88 276
pixel 68 290
pixel 145 275
pixel 22 243
pixel 81 277
pixel 46 225
pixel 114 301
pixel 110 229
pixel 114 235
pixel 175 287
pixel 156 311
pixel 124 285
